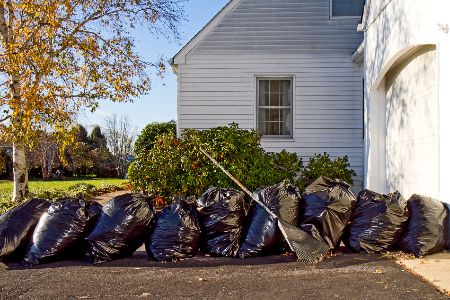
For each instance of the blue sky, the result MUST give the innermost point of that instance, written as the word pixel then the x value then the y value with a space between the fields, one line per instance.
pixel 160 104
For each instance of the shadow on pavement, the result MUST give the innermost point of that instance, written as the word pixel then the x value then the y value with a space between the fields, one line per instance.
pixel 140 260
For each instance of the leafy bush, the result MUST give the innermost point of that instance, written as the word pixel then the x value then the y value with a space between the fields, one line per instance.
pixel 323 165
pixel 149 134
pixel 83 190
pixel 177 167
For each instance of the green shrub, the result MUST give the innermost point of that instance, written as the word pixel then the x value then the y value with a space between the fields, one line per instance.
pixel 177 167
pixel 82 189
pixel 323 165
pixel 149 134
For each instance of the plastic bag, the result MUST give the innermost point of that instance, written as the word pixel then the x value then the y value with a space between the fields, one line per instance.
pixel 17 226
pixel 377 223
pixel 327 205
pixel 428 226
pixel 447 205
pixel 124 224
pixel 176 233
pixel 222 215
pixel 263 237
pixel 61 232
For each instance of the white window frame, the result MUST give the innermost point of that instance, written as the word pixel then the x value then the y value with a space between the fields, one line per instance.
pixel 340 17
pixel 290 137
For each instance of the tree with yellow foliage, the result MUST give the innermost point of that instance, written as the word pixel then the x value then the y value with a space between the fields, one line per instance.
pixel 58 56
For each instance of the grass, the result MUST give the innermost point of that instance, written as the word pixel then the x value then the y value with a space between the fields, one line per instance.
pixel 53 189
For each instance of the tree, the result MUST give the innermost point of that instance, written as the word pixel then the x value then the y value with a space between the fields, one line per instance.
pixel 58 56
pixel 120 135
pixel 76 156
pixel 146 139
pixel 97 137
pixel 3 161
pixel 44 153
pixel 100 154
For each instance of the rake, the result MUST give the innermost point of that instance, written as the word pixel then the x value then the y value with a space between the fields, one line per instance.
pixel 308 248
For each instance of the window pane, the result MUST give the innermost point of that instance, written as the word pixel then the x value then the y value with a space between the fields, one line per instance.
pixel 274 115
pixel 347 8
pixel 264 92
pixel 275 91
pixel 262 128
pixel 287 93
pixel 286 128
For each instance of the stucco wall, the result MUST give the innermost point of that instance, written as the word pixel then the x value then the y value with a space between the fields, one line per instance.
pixel 393 29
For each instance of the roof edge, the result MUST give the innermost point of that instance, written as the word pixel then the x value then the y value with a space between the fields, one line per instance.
pixel 180 57
pixel 358 55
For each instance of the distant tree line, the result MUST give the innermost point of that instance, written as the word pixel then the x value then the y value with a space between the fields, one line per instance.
pixel 100 153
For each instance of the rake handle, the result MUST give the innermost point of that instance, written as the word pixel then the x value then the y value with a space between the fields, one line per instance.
pixel 216 163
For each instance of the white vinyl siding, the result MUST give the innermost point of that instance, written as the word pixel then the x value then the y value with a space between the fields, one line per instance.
pixel 217 80
pixel 283 26
pixel 218 90
pixel 274 107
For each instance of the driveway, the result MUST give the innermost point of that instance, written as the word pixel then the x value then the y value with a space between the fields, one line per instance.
pixel 347 276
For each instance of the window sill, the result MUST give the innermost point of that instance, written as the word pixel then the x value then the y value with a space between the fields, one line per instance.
pixel 344 17
pixel 277 139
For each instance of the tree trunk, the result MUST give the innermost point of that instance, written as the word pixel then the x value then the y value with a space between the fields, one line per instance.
pixel 20 171
pixel 45 167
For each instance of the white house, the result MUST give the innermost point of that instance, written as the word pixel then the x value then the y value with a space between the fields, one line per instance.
pixel 406 53
pixel 283 67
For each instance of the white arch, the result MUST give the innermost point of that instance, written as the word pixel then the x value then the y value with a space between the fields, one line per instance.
pixel 375 119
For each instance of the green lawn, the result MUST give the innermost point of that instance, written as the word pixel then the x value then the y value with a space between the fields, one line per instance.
pixel 58 188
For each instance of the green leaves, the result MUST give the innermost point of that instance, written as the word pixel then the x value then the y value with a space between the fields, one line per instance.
pixel 177 167
pixel 148 135
pixel 323 165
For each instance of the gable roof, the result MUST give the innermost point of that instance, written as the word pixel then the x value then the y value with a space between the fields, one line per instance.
pixel 180 57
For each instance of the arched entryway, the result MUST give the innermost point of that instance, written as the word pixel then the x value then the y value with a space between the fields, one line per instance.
pixel 408 123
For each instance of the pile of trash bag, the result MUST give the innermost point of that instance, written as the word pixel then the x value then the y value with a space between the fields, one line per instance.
pixel 176 233
pixel 263 237
pixel 122 228
pixel 377 223
pixel 222 216
pixel 17 226
pixel 314 222
pixel 326 208
pixel 428 226
pixel 61 231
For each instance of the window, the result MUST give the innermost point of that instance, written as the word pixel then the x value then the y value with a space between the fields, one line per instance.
pixel 347 8
pixel 275 107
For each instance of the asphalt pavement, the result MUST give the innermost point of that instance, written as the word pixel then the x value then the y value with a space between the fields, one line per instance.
pixel 346 276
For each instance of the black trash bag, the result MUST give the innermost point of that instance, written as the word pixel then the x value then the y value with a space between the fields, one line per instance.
pixel 327 205
pixel 176 233
pixel 447 205
pixel 263 237
pixel 61 232
pixel 17 227
pixel 222 217
pixel 122 228
pixel 377 223
pixel 428 226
